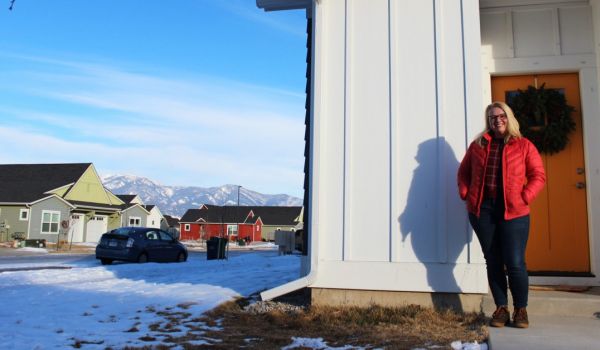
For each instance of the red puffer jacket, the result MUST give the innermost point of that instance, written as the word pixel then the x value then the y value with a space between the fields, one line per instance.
pixel 523 175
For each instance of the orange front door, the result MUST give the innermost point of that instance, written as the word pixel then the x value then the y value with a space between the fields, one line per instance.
pixel 558 239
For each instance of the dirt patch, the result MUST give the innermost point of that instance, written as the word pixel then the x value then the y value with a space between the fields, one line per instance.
pixel 67 248
pixel 271 325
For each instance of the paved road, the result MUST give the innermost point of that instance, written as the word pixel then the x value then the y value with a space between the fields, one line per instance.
pixel 10 258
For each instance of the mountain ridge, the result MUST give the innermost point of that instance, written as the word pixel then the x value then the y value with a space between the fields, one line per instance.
pixel 175 200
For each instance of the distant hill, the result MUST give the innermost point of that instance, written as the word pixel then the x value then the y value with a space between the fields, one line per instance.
pixel 175 200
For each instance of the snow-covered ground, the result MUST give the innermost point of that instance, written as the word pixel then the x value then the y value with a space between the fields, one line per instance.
pixel 196 245
pixel 57 301
pixel 98 306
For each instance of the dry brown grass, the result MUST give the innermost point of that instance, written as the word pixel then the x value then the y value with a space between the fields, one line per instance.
pixel 373 327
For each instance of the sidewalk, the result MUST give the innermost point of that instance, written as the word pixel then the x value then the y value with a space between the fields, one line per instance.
pixel 558 320
pixel 549 333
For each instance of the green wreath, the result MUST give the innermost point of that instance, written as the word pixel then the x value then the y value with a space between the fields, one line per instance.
pixel 544 117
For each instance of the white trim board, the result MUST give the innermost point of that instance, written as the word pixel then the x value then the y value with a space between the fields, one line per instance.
pixel 413 277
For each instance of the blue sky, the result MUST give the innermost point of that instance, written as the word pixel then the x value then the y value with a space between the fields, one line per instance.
pixel 186 92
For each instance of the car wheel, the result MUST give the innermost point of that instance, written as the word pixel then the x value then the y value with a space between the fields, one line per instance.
pixel 181 257
pixel 143 258
pixel 106 261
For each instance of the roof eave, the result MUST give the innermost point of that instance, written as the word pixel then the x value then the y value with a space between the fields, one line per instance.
pixel 51 196
pixel 278 5
pixel 136 205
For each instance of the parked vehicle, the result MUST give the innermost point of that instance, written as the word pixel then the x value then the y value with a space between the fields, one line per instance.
pixel 139 244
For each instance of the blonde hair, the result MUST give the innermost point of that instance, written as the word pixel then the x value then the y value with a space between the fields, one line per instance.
pixel 512 125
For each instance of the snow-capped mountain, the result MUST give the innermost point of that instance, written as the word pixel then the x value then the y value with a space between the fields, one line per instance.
pixel 175 200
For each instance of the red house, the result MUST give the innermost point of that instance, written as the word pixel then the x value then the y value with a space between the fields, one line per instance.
pixel 221 221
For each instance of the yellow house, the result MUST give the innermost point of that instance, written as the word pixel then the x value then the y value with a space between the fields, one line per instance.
pixel 56 201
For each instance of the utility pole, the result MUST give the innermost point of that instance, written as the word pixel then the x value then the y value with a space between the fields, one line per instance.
pixel 237 212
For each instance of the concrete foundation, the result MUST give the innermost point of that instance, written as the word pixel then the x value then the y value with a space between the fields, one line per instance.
pixel 364 298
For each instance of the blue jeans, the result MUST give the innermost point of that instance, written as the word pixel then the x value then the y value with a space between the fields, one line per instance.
pixel 503 243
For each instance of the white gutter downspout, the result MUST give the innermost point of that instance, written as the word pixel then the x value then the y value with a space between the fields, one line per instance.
pixel 310 278
pixel 289 287
pixel 28 206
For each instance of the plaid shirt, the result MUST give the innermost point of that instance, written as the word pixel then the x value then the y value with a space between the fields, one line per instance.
pixel 493 165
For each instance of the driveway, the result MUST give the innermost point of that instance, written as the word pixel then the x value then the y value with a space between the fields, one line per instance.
pixel 22 259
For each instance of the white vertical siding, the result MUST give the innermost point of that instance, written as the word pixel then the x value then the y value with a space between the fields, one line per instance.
pixel 474 116
pixel 589 92
pixel 415 120
pixel 497 28
pixel 538 31
pixel 452 234
pixel 396 102
pixel 575 30
pixel 367 131
pixel 330 171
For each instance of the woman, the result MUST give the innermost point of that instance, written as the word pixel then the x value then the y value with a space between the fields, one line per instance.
pixel 500 175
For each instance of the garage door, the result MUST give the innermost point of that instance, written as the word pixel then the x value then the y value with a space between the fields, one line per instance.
pixel 76 228
pixel 95 228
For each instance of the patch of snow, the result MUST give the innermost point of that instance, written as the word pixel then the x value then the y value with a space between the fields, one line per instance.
pixel 315 343
pixel 98 307
pixel 197 245
pixel 33 250
pixel 458 345
pixel 85 244
pixel 198 342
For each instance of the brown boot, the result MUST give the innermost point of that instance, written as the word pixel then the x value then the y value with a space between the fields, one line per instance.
pixel 520 319
pixel 500 317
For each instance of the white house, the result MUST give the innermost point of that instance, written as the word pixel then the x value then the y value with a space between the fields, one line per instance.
pixel 397 92
pixel 135 213
pixel 155 217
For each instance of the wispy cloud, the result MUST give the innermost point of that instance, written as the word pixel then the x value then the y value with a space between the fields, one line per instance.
pixel 242 9
pixel 176 129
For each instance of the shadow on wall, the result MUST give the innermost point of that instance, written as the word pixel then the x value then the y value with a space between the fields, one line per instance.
pixel 433 206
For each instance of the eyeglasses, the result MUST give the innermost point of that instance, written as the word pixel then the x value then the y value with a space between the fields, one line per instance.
pixel 497 117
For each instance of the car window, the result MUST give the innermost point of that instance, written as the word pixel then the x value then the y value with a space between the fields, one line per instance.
pixel 165 236
pixel 125 231
pixel 152 235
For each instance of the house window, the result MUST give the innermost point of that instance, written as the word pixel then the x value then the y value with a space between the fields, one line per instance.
pixel 23 214
pixel 232 230
pixel 187 227
pixel 135 221
pixel 50 221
